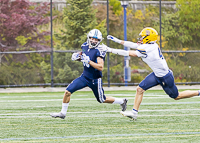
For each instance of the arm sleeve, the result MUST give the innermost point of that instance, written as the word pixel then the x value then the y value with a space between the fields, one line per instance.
pixel 130 44
pixel 141 53
pixel 120 52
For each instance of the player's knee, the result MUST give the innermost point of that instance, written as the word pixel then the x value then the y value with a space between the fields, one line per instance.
pixel 177 98
pixel 103 100
pixel 67 93
pixel 139 90
pixel 174 96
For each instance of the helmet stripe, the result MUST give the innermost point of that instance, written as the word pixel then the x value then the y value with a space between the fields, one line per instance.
pixel 95 34
pixel 148 41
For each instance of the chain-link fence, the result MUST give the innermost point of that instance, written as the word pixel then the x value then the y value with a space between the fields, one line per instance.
pixel 33 68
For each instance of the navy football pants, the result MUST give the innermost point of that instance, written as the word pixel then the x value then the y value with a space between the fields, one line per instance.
pixel 94 84
pixel 167 83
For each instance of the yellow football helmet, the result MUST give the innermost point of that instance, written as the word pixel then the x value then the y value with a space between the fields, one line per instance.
pixel 148 35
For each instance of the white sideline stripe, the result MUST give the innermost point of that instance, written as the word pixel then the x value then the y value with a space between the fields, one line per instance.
pixel 75 116
pixel 38 96
pixel 100 136
pixel 78 99
pixel 169 115
pixel 84 99
pixel 134 95
pixel 167 103
pixel 93 99
pixel 161 110
pixel 30 96
pixel 97 112
pixel 124 95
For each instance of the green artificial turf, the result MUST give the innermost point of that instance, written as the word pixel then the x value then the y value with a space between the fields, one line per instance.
pixel 24 117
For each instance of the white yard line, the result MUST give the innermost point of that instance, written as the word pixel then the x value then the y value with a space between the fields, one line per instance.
pixel 123 95
pixel 84 99
pixel 93 99
pixel 97 112
pixel 93 116
pixel 39 96
pixel 103 136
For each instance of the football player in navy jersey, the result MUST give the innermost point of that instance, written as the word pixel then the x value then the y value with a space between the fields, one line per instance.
pixel 149 51
pixel 93 61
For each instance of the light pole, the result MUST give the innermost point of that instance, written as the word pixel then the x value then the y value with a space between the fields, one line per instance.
pixel 127 69
pixel 160 24
pixel 108 75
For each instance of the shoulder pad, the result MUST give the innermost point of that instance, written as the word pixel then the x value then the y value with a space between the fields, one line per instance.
pixel 84 44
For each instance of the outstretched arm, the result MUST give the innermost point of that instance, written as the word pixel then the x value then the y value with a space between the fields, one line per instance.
pixel 131 53
pixel 125 43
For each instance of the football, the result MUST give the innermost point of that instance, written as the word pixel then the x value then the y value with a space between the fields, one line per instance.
pixel 80 54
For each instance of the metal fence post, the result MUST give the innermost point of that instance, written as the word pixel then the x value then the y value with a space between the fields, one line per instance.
pixel 52 84
pixel 160 26
pixel 108 55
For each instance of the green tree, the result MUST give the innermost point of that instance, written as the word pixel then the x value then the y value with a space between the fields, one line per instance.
pixel 116 6
pixel 19 22
pixel 181 29
pixel 24 70
pixel 189 19
pixel 79 18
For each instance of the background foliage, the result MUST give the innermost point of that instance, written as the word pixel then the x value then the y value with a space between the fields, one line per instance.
pixel 19 21
pixel 26 26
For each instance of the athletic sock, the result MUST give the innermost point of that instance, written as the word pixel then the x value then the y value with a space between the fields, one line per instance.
pixel 64 108
pixel 118 101
pixel 199 92
pixel 135 111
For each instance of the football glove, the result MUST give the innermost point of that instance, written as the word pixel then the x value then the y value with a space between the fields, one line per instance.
pixel 76 56
pixel 110 37
pixel 85 59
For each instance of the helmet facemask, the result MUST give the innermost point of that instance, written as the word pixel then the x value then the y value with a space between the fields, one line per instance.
pixel 94 38
pixel 140 39
pixel 93 42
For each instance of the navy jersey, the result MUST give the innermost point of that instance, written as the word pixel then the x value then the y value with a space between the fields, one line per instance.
pixel 93 53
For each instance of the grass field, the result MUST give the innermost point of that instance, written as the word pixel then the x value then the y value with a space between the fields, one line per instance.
pixel 24 117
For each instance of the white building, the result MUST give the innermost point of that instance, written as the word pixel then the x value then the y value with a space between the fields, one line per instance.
pixel 136 5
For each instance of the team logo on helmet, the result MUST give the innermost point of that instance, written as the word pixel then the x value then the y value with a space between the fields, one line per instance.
pixel 147 32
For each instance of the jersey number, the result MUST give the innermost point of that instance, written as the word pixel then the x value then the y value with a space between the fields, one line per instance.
pixel 85 64
pixel 160 54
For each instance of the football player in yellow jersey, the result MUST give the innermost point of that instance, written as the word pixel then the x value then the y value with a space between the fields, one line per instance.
pixel 149 51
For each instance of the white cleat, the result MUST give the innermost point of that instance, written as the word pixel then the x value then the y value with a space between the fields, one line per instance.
pixel 124 105
pixel 57 115
pixel 129 114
